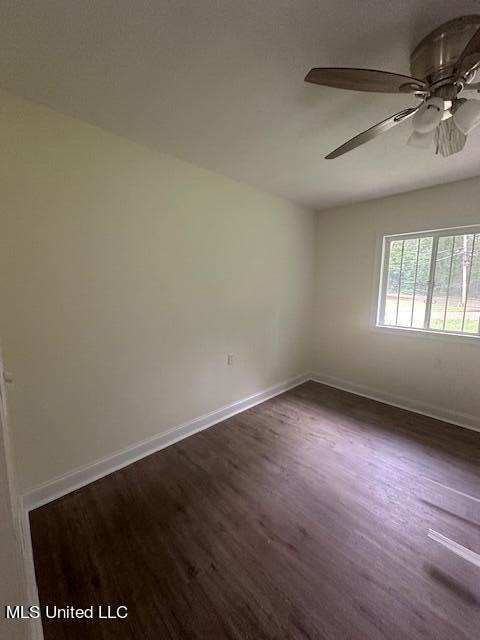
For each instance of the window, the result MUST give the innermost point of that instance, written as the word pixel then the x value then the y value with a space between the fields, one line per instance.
pixel 431 281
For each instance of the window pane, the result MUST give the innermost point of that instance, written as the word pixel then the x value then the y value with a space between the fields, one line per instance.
pixel 421 285
pixel 471 323
pixel 453 278
pixel 393 281
pixel 407 282
pixel 446 280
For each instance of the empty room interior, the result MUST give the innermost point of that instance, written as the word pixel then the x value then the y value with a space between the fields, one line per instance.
pixel 240 320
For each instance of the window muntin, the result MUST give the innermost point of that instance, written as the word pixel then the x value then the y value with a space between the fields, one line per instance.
pixel 431 281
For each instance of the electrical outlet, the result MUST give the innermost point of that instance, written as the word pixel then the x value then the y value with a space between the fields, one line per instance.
pixel 230 358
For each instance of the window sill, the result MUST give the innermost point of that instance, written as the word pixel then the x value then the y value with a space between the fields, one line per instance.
pixel 430 334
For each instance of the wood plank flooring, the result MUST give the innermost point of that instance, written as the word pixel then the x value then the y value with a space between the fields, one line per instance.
pixel 305 517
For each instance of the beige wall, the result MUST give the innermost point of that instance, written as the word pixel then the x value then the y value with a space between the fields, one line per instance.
pixel 437 372
pixel 126 276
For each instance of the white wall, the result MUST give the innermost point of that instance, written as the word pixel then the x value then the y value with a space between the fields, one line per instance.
pixel 438 372
pixel 12 588
pixel 12 579
pixel 126 276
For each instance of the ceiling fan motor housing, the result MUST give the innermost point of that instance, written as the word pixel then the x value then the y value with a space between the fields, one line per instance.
pixel 433 60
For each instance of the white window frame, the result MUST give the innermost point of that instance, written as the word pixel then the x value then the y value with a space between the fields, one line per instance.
pixel 436 234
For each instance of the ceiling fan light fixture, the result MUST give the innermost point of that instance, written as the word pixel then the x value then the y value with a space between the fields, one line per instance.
pixel 420 140
pixel 428 117
pixel 467 116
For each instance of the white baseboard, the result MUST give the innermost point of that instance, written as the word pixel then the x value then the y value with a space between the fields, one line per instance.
pixel 464 420
pixel 79 477
pixel 61 485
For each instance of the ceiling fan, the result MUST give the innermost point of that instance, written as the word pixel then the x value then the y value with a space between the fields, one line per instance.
pixel 443 67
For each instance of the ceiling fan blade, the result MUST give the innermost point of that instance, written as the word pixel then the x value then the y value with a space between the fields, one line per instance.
pixel 475 86
pixel 373 132
pixel 364 80
pixel 470 56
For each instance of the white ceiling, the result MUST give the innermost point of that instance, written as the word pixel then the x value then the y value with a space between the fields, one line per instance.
pixel 220 83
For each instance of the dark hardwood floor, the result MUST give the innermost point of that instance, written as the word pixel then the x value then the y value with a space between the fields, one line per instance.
pixel 304 517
